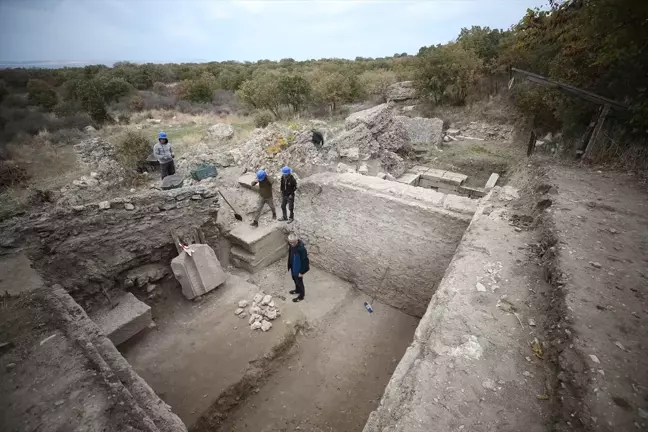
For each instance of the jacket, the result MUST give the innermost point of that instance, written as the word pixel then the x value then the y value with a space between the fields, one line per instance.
pixel 265 187
pixel 163 153
pixel 288 185
pixel 298 256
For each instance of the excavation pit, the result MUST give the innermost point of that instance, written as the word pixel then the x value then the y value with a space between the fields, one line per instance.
pixel 326 361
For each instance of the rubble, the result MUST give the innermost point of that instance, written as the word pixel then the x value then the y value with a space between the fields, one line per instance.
pixel 423 130
pixel 401 91
pixel 266 325
pixel 220 131
pixel 262 311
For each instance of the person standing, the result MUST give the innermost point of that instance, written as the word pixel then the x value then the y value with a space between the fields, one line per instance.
pixel 298 265
pixel 265 196
pixel 288 188
pixel 164 154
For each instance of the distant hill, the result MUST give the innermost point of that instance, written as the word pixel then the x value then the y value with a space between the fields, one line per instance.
pixel 50 64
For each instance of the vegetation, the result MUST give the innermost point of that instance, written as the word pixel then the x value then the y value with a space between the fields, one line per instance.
pixel 598 45
pixel 132 149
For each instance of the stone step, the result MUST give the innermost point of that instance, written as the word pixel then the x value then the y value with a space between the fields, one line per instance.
pixel 259 241
pixel 128 318
pixel 253 263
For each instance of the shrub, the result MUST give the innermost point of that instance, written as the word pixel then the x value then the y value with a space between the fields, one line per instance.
pixel 133 149
pixel 40 93
pixel 198 91
pixel 14 100
pixel 11 174
pixel 263 118
pixel 66 108
pixel 113 89
pixel 124 118
pixel 137 104
pixel 162 89
pixel 4 91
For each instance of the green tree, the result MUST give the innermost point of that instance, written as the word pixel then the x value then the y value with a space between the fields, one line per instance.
pixel 375 82
pixel 294 91
pixel 199 90
pixel 262 91
pixel 334 87
pixel 41 94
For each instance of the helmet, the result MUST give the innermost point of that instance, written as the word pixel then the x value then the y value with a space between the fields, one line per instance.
pixel 261 174
pixel 286 170
pixel 162 135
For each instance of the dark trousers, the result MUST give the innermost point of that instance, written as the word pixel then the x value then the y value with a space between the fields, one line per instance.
pixel 290 201
pixel 299 285
pixel 167 169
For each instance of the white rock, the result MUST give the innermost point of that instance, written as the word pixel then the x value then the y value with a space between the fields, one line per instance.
pixel 243 303
pixel 104 205
pixel 480 287
pixel 256 325
pixel 89 128
pixel 271 304
pixel 271 314
pixel 242 315
pixel 390 177
pixel 94 174
pixel 266 325
pixel 532 322
pixel 381 175
pixel 220 131
pixel 344 168
pixel 257 298
pixel 364 169
pixel 129 206
pixel 620 346
pixel 254 310
pixel 132 190
pixel 594 359
pixel 238 311
pixel 446 138
pixel 352 153
pixel 266 300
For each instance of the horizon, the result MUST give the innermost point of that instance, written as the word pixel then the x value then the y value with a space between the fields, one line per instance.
pixel 199 31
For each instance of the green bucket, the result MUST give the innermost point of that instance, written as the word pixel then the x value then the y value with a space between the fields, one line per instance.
pixel 204 171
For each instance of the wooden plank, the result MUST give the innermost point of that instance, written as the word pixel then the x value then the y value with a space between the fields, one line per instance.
pixel 593 142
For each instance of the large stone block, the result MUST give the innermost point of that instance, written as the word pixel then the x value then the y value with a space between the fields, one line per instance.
pixel 199 273
pixel 254 263
pixel 246 180
pixel 260 240
pixel 128 318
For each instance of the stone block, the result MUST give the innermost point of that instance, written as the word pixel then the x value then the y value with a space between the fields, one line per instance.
pixel 253 263
pixel 492 181
pixel 471 192
pixel 199 273
pixel 246 180
pixel 409 178
pixel 128 318
pixel 259 241
pixel 454 178
pixel 433 174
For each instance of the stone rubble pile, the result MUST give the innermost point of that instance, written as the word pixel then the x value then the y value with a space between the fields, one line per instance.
pixel 480 131
pixel 261 311
pixel 401 91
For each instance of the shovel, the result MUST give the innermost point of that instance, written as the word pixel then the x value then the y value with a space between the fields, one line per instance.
pixel 237 216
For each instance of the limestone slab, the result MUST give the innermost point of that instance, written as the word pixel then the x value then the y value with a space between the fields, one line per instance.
pixel 408 178
pixel 128 318
pixel 199 273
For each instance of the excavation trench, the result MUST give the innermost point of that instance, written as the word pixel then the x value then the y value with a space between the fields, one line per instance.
pixel 326 361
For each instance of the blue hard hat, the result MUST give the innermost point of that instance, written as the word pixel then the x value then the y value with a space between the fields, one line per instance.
pixel 286 170
pixel 261 174
pixel 162 135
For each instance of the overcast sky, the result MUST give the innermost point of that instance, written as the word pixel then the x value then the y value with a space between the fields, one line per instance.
pixel 217 30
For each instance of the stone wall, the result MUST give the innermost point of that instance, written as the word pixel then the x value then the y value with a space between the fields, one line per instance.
pixel 88 249
pixel 392 240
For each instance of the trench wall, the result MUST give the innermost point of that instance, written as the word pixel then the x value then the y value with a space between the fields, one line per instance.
pixel 88 249
pixel 393 241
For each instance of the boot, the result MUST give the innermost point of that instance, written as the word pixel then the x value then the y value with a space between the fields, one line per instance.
pixel 274 216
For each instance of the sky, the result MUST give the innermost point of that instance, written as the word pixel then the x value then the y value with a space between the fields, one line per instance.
pixel 166 31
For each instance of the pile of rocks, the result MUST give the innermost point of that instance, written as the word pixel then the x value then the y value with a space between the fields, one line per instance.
pixel 375 133
pixel 101 157
pixel 401 91
pixel 479 131
pixel 261 312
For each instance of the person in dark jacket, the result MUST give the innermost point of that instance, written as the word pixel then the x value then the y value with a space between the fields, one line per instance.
pixel 288 188
pixel 317 139
pixel 265 196
pixel 298 265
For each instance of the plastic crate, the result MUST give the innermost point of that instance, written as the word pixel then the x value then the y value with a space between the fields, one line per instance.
pixel 204 171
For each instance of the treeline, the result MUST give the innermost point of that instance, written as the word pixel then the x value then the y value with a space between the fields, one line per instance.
pixel 598 45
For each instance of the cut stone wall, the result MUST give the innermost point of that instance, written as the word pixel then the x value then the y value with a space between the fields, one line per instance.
pixel 88 249
pixel 392 240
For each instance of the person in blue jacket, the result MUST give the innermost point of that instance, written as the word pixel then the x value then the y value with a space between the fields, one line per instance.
pixel 298 265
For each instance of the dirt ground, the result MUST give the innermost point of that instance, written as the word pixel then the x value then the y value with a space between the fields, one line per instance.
pixel 601 223
pixel 336 374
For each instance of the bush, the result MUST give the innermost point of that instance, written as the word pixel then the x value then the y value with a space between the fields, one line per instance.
pixel 15 101
pixel 133 149
pixel 136 104
pixel 40 93
pixel 4 91
pixel 113 89
pixel 263 118
pixel 123 118
pixel 11 174
pixel 162 89
pixel 67 108
pixel 198 91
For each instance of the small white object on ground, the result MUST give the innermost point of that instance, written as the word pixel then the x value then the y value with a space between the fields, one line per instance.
pixel 242 303
pixel 266 325
pixel 594 359
pixel 480 287
pixel 238 311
